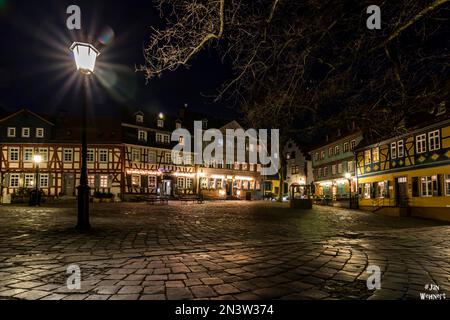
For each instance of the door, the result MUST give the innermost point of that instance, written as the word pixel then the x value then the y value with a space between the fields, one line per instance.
pixel 401 187
pixel 69 185
pixel 167 188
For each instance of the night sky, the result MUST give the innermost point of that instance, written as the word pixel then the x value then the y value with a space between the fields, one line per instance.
pixel 35 63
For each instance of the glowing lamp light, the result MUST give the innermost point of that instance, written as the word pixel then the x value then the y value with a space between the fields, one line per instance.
pixel 37 158
pixel 348 176
pixel 85 56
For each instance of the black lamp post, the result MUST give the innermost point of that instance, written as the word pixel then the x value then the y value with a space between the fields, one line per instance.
pixel 37 159
pixel 85 56
pixel 348 176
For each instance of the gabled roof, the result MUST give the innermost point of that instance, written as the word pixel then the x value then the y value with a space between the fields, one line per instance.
pixel 28 111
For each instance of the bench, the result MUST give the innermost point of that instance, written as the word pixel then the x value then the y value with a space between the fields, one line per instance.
pixel 198 200
pixel 153 201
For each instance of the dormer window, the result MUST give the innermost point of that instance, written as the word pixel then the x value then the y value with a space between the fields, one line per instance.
pixel 142 135
pixel 39 133
pixel 11 132
pixel 178 125
pixel 441 109
pixel 160 123
pixel 25 132
pixel 139 118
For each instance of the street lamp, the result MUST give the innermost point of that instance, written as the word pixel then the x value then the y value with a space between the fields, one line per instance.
pixel 37 159
pixel 348 176
pixel 85 56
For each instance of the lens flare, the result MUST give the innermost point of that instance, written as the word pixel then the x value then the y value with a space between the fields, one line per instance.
pixel 106 36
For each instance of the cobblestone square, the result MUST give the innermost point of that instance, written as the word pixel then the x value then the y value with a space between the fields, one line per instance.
pixel 219 250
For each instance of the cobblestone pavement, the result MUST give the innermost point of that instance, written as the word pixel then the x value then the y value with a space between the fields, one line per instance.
pixel 219 250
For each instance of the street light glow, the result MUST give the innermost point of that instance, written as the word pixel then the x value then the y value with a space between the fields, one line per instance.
pixel 348 176
pixel 85 56
pixel 37 158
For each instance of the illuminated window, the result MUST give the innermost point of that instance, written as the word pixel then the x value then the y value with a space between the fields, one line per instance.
pixel 91 181
pixel 43 152
pixel 427 186
pixel 350 166
pixel 368 157
pixel 236 166
pixel 367 191
pixel 29 181
pixel 14 181
pixel 104 181
pixel 136 155
pixel 103 155
pixel 189 183
pixel 382 190
pixel 142 136
pixel 136 181
pixel 434 141
pixel 447 184
pixel 421 143
pixel 180 183
pixel 28 154
pixel 152 181
pixel 44 180
pixel 376 155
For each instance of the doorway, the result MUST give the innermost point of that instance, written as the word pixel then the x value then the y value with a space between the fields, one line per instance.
pixel 166 188
pixel 69 184
pixel 401 186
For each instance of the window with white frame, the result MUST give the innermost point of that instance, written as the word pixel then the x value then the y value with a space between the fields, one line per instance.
pixel 340 168
pixel 319 172
pixel 11 132
pixel 421 143
pixel 346 147
pixel 352 145
pixel 159 138
pixel 14 180
pixel 400 149
pixel 244 167
pixel 44 180
pixel 13 154
pixel 426 189
pixel 204 183
pixel 368 157
pixel 394 150
pixel 382 189
pixel 43 152
pixel 325 171
pixel 337 150
pixel 28 154
pixel 104 181
pixel 166 139
pixel 434 140
pixel 237 166
pixel 367 191
pixel 333 169
pixel 189 183
pixel 139 118
pixel 316 156
pixel 330 151
pixel 152 181
pixel 252 167
pixel 136 155
pixel 142 135
pixel 168 157
pixel 103 155
pixel 39 132
pixel 322 155
pixel 136 180
pixel 90 155
pixel 160 123
pixel 25 132
pixel 180 183
pixel 376 155
pixel 447 184
pixel 29 181
pixel 68 155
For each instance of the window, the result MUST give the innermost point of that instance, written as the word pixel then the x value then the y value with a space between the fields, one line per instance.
pixel 441 109
pixel 337 150
pixel 393 150
pixel 104 181
pixel 434 141
pixel 376 155
pixel 350 166
pixel 325 171
pixel 188 160
pixel 25 132
pixel 139 118
pixel 368 157
pixel 319 173
pixel 426 186
pixel 11 132
pixel 333 169
pixel 316 156
pixel 382 189
pixel 103 155
pixel 447 184
pixel 152 181
pixel 136 181
pixel 212 183
pixel 39 133
pixel 168 157
pixel 44 180
pixel 152 157
pixel 160 123
pixel 142 135
pixel 330 151
pixel 205 124
pixel 90 155
pixel 179 159
pixel 166 139
pixel 340 168
pixel 295 170
pixel 28 155
pixel 91 181
pixel 159 138
pixel 178 125
pixel 135 155
pixel 14 154
pixel 180 183
pixel 236 166
pixel 181 141
pixel 401 149
pixel 367 191
pixel 29 181
pixel 322 155
pixel 14 180
pixel 43 152
pixel 421 143
pixel 252 167
pixel 244 167
pixel 352 145
pixel 346 147
pixel 68 155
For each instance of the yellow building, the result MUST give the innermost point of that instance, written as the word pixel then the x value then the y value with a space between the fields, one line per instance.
pixel 409 174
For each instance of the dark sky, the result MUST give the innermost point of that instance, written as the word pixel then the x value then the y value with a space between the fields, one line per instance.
pixel 35 66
